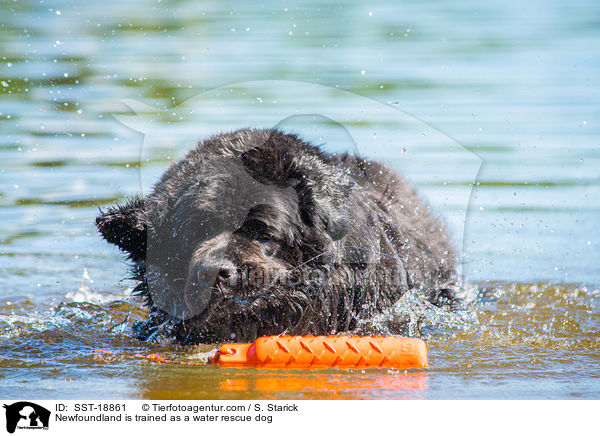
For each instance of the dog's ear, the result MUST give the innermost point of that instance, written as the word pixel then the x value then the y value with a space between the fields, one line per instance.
pixel 125 226
pixel 323 189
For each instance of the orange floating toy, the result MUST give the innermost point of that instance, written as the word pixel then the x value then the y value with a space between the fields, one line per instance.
pixel 325 351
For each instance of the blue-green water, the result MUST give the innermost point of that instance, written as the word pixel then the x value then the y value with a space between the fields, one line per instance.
pixel 502 94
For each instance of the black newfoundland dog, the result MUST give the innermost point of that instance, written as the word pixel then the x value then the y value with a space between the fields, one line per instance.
pixel 257 232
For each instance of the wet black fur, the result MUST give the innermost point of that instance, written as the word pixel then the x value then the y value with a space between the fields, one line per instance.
pixel 349 218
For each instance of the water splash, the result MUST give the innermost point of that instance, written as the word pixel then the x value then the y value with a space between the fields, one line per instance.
pixel 415 315
pixel 85 293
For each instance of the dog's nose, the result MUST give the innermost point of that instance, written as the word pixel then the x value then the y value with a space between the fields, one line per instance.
pixel 201 281
pixel 209 274
pixel 225 275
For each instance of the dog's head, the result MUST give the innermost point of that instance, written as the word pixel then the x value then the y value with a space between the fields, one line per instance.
pixel 238 239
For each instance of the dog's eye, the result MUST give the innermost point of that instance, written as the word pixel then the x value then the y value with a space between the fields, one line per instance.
pixel 264 237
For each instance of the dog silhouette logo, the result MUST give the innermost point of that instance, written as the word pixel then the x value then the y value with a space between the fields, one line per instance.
pixel 26 415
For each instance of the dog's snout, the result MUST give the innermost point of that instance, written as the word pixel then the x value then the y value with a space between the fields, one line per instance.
pixel 202 279
pixel 226 274
pixel 211 275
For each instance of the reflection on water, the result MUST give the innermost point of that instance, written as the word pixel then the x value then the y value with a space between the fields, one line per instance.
pixel 516 83
pixel 333 385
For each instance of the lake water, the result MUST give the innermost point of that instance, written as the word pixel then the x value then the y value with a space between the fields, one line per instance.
pixel 491 108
